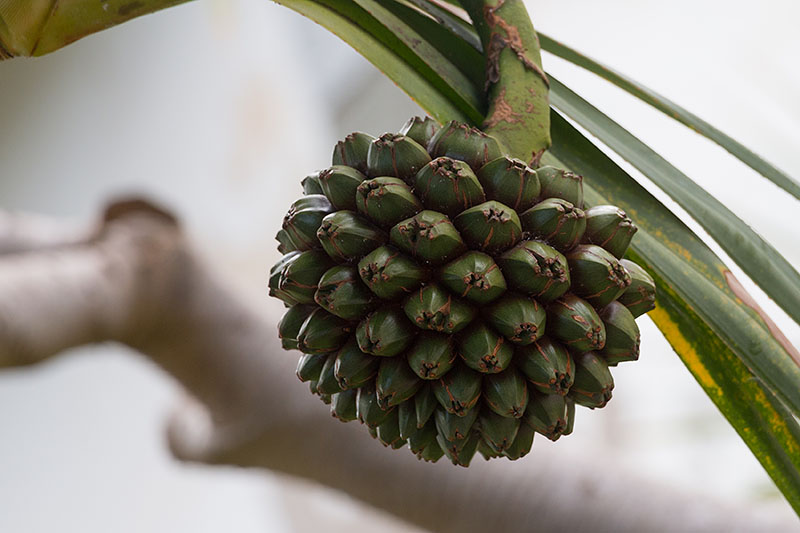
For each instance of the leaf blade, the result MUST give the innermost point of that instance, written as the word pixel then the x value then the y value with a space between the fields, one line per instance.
pixel 451 21
pixel 451 44
pixel 452 79
pixel 700 278
pixel 759 260
pixel 674 111
pixel 404 75
pixel 762 421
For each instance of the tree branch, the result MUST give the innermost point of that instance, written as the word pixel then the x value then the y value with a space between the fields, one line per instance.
pixel 22 232
pixel 136 280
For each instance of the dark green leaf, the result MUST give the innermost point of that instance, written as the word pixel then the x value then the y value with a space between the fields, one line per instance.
pixel 735 353
pixel 451 21
pixel 425 57
pixel 451 44
pixel 359 29
pixel 754 255
pixel 676 112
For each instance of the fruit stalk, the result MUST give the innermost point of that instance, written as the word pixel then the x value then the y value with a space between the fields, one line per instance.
pixel 517 87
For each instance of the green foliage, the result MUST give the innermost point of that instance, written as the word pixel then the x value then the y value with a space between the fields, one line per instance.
pixel 734 351
pixel 673 110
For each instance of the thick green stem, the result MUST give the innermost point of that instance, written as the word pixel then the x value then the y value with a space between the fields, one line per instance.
pixel 519 106
pixel 37 27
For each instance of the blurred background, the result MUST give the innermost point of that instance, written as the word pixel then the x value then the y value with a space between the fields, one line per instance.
pixel 218 108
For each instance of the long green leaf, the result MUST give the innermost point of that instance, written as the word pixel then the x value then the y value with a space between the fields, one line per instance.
pixel 674 111
pixel 452 22
pixel 453 3
pixel 700 278
pixel 466 92
pixel 460 53
pixel 688 276
pixel 760 419
pixel 356 30
pixel 759 260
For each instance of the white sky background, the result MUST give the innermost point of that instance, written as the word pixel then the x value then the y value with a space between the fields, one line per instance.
pixel 218 109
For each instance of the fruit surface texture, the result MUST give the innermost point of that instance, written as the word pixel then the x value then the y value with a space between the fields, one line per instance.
pixel 453 299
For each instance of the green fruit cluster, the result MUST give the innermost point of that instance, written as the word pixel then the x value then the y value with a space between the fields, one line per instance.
pixel 452 298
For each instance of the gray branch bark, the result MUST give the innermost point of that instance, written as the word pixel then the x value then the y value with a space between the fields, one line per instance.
pixel 136 280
